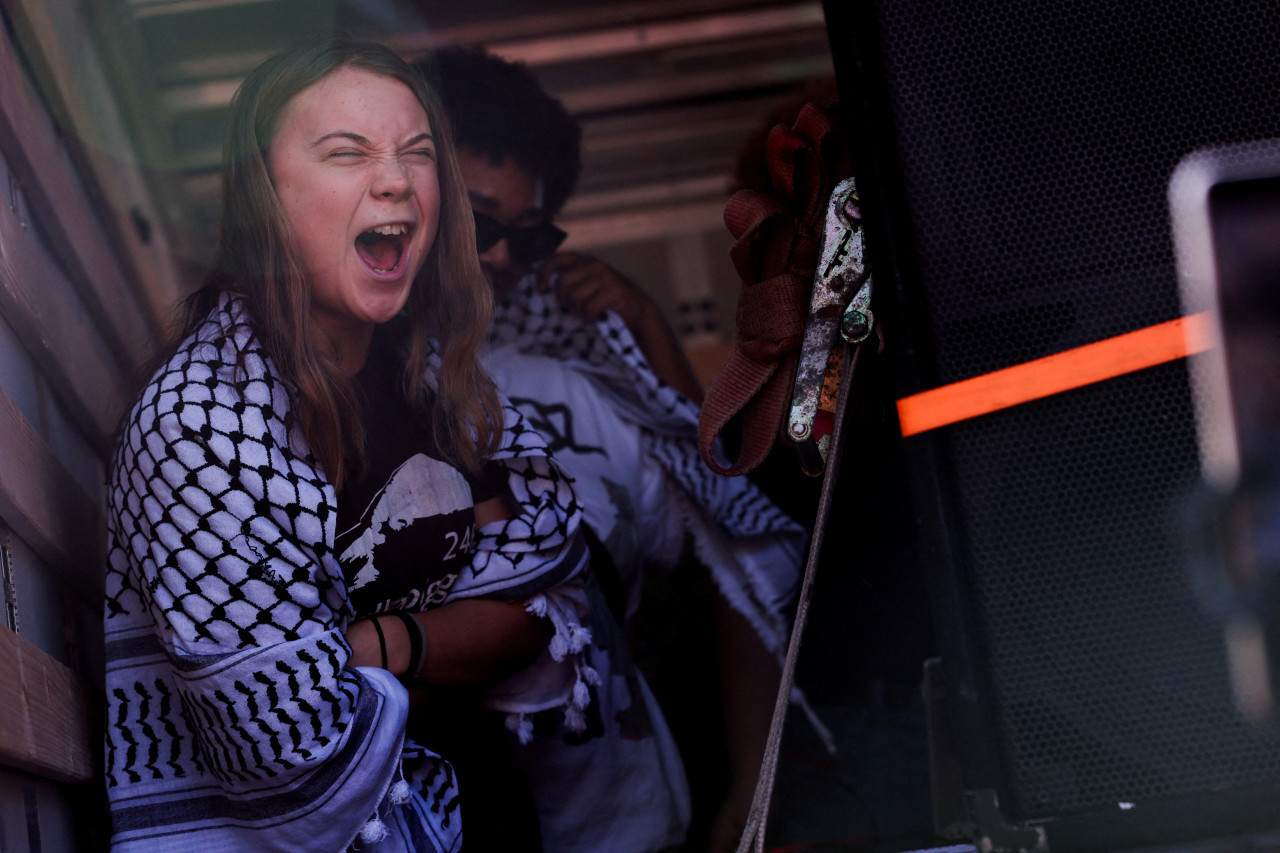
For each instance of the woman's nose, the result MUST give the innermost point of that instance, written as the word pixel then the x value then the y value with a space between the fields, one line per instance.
pixel 392 180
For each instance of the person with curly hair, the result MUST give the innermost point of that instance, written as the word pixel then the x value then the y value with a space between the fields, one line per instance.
pixel 586 355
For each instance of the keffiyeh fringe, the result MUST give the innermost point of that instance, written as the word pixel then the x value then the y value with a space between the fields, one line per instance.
pixel 753 550
pixel 565 653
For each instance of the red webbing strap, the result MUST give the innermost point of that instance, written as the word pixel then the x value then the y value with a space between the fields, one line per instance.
pixel 1054 374
pixel 778 239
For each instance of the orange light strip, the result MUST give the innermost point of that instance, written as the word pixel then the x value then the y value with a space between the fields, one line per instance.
pixel 1055 373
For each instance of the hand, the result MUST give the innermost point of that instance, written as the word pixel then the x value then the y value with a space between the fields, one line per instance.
pixel 587 287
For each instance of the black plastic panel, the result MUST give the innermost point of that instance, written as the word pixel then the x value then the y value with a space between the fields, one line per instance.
pixel 1015 158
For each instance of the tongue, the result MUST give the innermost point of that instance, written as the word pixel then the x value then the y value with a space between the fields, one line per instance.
pixel 381 253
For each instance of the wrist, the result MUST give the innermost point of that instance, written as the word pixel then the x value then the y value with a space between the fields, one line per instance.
pixel 416 652
pixel 650 329
pixel 382 643
pixel 649 318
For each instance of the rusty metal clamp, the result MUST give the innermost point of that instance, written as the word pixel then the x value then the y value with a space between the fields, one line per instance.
pixel 840 305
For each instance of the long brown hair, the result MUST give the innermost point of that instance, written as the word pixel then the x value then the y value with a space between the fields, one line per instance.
pixel 257 259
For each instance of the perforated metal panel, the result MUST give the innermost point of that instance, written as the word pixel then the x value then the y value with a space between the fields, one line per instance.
pixel 1032 143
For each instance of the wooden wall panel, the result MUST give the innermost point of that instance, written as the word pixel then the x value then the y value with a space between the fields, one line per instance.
pixel 87 291
pixel 66 217
pixel 44 505
pixel 49 725
pixel 62 42
pixel 59 334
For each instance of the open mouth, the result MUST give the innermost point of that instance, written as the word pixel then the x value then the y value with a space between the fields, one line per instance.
pixel 381 248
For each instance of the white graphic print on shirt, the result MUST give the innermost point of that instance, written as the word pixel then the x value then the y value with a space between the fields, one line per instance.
pixel 421 488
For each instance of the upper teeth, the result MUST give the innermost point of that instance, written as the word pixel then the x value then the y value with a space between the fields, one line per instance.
pixel 390 230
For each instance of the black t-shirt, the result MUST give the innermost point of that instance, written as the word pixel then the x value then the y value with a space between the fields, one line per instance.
pixel 406 527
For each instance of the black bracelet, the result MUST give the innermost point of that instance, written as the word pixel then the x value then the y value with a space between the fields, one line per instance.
pixel 417 642
pixel 382 640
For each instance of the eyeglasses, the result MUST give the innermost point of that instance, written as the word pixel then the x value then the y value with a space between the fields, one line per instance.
pixel 527 244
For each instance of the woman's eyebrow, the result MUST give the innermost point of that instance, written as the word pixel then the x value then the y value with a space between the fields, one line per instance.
pixel 362 140
pixel 344 134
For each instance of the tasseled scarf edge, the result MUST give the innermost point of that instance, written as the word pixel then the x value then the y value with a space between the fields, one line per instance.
pixel 569 640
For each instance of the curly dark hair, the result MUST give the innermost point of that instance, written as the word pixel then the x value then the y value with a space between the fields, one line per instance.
pixel 498 109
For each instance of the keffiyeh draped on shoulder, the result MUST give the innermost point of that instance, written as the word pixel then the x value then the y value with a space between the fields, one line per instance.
pixel 233 721
pixel 753 549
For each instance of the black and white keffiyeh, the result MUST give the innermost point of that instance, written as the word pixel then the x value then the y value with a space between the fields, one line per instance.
pixel 233 721
pixel 753 549
pixel 630 443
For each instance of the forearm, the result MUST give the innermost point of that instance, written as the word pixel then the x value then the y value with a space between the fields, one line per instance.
pixel 749 685
pixel 473 641
pixel 660 346
pixel 749 677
